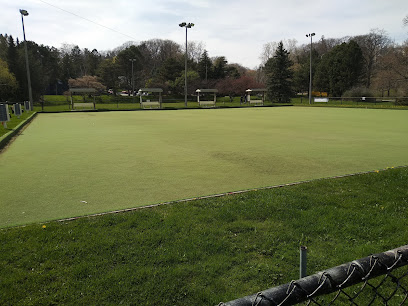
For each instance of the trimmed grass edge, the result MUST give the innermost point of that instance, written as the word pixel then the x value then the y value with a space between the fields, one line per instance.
pixel 6 139
pixel 211 196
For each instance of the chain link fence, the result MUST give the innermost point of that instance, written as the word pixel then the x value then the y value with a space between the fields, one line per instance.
pixel 379 279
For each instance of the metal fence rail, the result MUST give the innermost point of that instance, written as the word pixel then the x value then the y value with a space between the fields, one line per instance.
pixel 373 280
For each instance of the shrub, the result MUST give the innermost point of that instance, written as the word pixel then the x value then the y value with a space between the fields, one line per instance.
pixel 359 91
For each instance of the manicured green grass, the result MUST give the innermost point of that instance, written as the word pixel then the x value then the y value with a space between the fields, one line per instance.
pixel 348 103
pixel 13 123
pixel 73 164
pixel 205 251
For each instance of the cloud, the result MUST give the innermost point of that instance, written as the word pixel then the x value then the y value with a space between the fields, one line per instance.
pixel 236 29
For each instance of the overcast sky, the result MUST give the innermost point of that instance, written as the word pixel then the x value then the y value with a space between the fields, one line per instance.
pixel 236 29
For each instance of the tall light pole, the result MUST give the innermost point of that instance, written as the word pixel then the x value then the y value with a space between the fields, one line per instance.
pixel 30 93
pixel 310 81
pixel 187 26
pixel 133 80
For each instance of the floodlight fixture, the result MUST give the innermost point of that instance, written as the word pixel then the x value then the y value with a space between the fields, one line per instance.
pixel 187 26
pixel 23 12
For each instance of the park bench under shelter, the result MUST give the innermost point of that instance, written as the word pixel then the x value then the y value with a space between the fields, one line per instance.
pixel 82 91
pixel 149 103
pixel 202 93
pixel 258 91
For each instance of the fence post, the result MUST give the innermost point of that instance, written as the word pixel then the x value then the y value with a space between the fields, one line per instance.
pixel 303 262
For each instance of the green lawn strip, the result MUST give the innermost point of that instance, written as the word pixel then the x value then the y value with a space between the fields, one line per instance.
pixel 205 251
pixel 13 126
pixel 348 103
pixel 76 164
pixel 59 103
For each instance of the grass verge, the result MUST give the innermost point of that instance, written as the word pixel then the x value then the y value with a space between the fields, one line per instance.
pixel 205 251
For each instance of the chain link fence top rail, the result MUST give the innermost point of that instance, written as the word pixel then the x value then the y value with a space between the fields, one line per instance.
pixel 374 280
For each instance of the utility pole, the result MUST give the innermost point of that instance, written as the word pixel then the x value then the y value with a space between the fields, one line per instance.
pixel 133 80
pixel 30 93
pixel 187 26
pixel 310 81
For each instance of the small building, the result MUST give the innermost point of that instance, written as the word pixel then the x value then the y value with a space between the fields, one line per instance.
pixel 202 95
pixel 82 91
pixel 149 103
pixel 260 92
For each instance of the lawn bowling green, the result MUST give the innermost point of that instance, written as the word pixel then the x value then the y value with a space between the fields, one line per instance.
pixel 72 164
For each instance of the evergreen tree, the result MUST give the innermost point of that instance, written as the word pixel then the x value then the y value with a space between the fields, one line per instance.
pixel 171 69
pixel 92 59
pixel 340 69
pixel 205 66
pixel 279 76
pixel 12 57
pixel 123 61
pixel 109 72
pixel 220 67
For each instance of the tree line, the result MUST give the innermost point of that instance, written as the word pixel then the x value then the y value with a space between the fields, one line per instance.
pixel 362 65
pixel 155 63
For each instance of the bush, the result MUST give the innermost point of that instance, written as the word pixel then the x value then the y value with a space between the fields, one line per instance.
pixel 401 101
pixel 359 91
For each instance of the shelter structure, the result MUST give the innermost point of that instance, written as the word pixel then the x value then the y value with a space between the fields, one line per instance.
pixel 82 91
pixel 150 103
pixel 260 92
pixel 203 93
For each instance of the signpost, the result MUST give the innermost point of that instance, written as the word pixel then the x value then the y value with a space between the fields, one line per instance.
pixel 17 110
pixel 4 115
pixel 27 106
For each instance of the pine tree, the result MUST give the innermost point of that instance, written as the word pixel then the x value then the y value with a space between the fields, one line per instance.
pixel 340 69
pixel 205 66
pixel 279 76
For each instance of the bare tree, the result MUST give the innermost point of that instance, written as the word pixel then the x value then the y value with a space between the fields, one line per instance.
pixel 195 50
pixel 394 70
pixel 269 49
pixel 155 52
pixel 373 45
pixel 324 45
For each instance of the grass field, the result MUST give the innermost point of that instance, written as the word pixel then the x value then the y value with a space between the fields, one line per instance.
pixel 66 165
pixel 205 251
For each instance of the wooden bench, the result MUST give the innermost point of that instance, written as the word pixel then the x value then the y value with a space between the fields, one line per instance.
pixel 321 100
pixel 256 102
pixel 207 103
pixel 150 104
pixel 389 100
pixel 84 104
